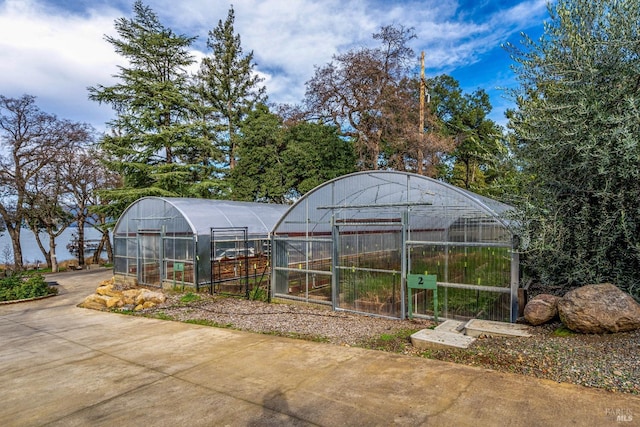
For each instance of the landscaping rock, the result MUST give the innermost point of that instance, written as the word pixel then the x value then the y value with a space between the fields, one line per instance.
pixel 129 296
pixel 112 302
pixel 150 296
pixel 541 309
pixel 596 309
pixel 94 302
pixel 108 290
pixel 108 297
pixel 103 289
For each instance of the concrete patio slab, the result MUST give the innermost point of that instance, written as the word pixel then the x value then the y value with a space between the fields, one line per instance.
pixel 67 366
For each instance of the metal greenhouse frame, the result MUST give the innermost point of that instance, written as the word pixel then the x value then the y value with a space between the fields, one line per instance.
pixel 200 243
pixel 352 243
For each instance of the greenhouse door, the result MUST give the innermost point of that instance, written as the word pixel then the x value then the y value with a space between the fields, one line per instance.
pixel 367 265
pixel 149 258
pixel 230 256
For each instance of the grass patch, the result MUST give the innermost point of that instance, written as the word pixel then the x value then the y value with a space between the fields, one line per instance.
pixel 563 331
pixel 427 354
pixel 162 316
pixel 258 294
pixel 190 297
pixel 395 342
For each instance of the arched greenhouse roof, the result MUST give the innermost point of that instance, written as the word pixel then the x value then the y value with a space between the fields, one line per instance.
pixel 384 195
pixel 178 214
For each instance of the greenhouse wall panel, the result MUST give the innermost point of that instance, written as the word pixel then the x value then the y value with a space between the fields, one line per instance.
pixel 165 242
pixel 377 227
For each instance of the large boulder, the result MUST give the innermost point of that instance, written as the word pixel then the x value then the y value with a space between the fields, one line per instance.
pixel 597 309
pixel 541 309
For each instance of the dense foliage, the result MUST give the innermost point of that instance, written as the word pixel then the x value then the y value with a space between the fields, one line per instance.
pixel 479 158
pixel 155 144
pixel 18 287
pixel 280 162
pixel 578 131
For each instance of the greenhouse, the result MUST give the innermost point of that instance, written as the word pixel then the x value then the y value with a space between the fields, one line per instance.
pixel 364 242
pixel 214 244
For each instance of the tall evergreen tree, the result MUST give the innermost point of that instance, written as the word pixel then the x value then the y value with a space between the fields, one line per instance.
pixel 228 87
pixel 155 143
pixel 578 127
pixel 479 142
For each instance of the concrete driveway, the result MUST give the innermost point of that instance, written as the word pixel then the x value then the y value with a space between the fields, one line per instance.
pixel 65 366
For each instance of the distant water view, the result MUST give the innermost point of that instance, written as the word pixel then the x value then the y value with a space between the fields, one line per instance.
pixel 32 253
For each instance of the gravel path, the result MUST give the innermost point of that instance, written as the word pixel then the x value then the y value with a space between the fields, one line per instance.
pixel 308 321
pixel 608 361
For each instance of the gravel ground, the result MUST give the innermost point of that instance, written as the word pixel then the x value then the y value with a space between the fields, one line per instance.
pixel 608 361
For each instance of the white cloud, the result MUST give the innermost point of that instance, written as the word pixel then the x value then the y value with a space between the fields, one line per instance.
pixel 56 54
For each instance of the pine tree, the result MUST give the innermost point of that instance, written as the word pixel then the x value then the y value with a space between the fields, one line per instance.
pixel 228 87
pixel 155 143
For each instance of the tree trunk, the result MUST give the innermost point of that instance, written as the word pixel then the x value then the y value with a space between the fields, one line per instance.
pixel 467 180
pixel 96 254
pixel 45 253
pixel 80 223
pixel 109 247
pixel 52 254
pixel 104 245
pixel 14 233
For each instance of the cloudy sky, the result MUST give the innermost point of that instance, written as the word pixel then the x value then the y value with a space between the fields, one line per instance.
pixel 55 49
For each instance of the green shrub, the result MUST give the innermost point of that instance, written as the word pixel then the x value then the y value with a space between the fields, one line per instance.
pixel 258 294
pixel 19 287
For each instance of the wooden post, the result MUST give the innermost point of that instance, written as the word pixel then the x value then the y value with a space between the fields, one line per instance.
pixel 420 157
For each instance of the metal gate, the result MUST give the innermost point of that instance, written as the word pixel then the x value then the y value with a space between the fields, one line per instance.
pixel 230 256
pixel 368 266
pixel 150 257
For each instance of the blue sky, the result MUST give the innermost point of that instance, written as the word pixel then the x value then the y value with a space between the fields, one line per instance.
pixel 55 49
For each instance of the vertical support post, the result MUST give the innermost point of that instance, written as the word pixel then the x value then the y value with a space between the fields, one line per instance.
pixel 271 263
pixel 404 261
pixel 245 235
pixel 161 261
pixel 515 279
pixel 196 263
pixel 335 277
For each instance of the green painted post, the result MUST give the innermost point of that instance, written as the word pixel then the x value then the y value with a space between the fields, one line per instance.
pixel 423 281
pixel 178 266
